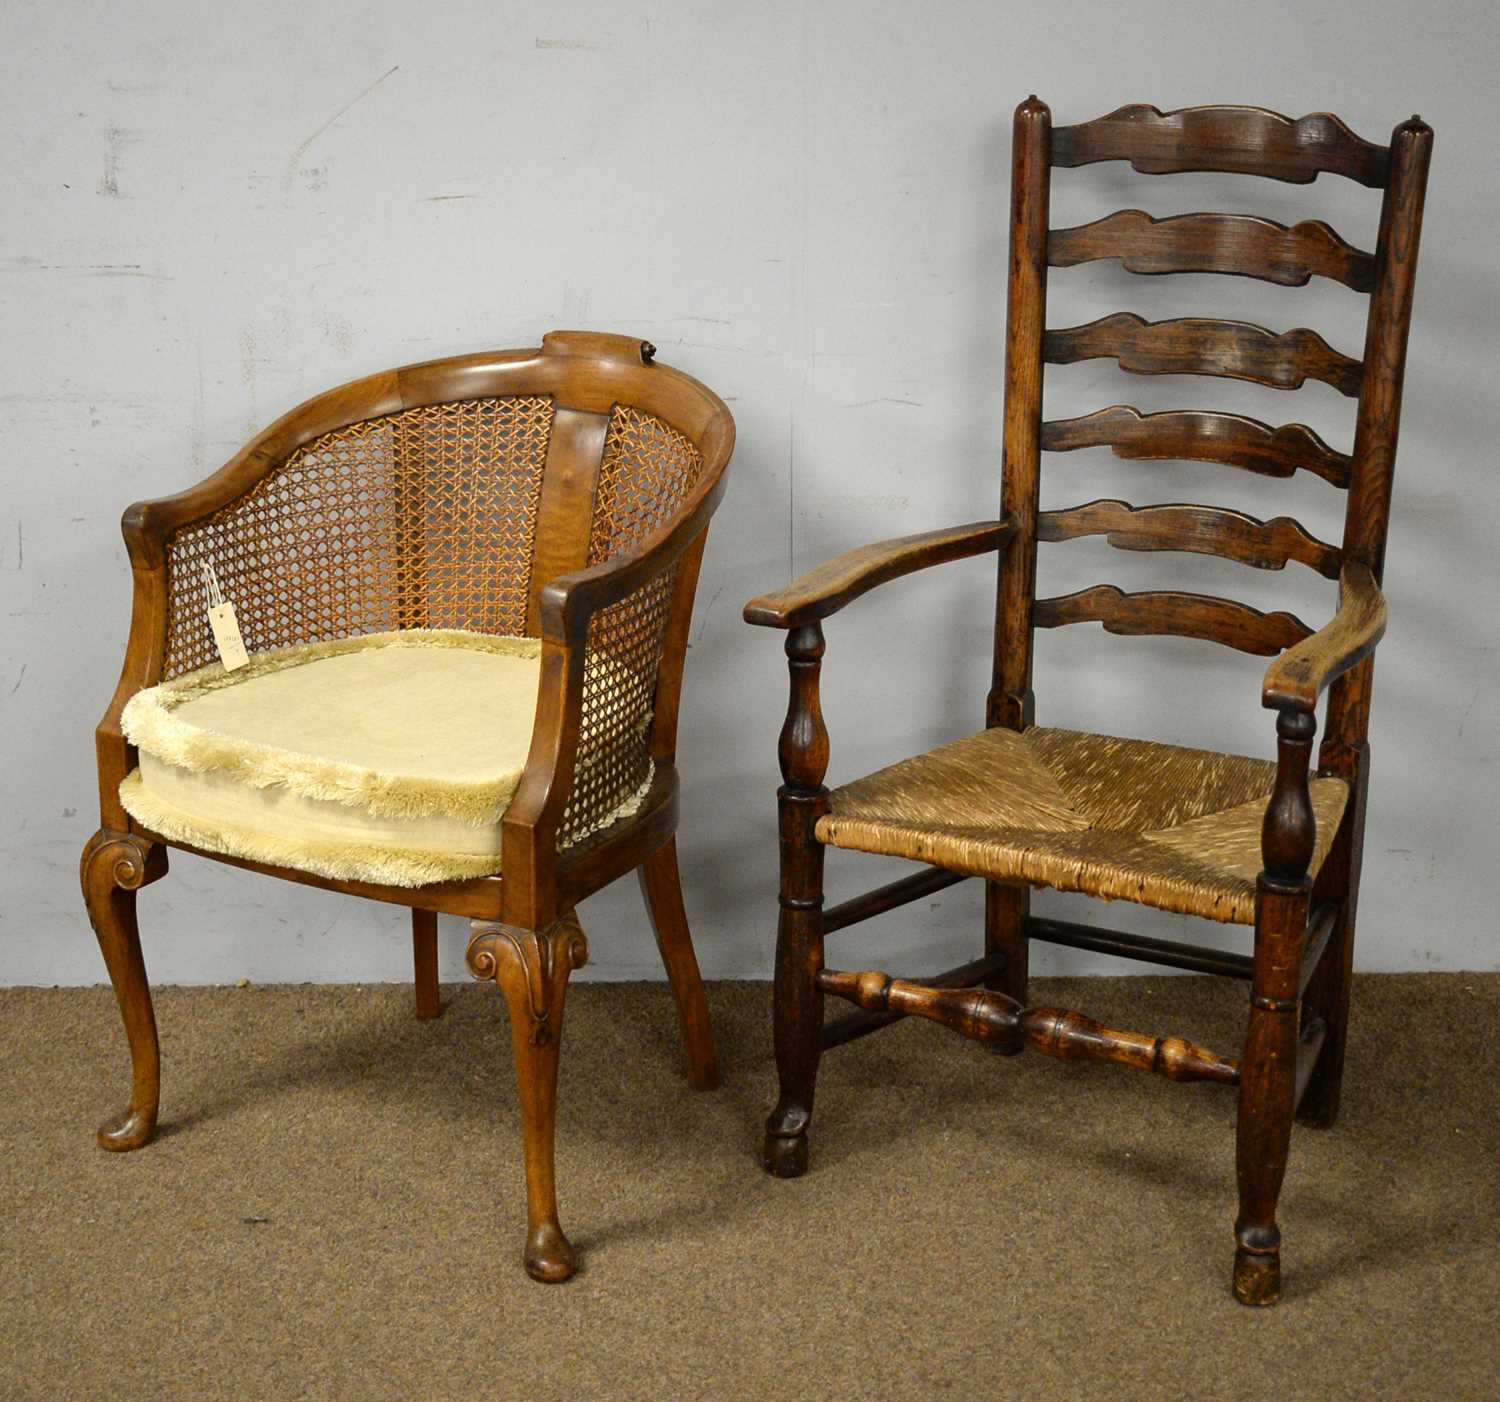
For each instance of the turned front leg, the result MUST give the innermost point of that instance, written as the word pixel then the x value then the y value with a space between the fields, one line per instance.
pixel 532 970
pixel 114 866
pixel 798 1008
pixel 1268 1068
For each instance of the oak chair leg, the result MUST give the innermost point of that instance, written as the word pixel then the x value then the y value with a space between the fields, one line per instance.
pixel 661 886
pixel 1328 999
pixel 114 866
pixel 425 962
pixel 1268 1068
pixel 1005 911
pixel 1327 996
pixel 532 970
pixel 797 1014
pixel 1268 1071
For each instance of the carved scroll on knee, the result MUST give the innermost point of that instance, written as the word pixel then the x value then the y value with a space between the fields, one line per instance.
pixel 530 967
pixel 126 860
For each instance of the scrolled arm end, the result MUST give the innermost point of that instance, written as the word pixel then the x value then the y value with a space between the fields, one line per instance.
pixel 823 591
pixel 1298 677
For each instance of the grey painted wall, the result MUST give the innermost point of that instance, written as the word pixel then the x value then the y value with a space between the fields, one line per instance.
pixel 212 213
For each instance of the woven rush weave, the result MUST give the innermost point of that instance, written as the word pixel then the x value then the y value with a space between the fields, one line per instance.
pixel 1160 825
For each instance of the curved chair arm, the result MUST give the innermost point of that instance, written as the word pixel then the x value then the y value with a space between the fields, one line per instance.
pixel 570 600
pixel 145 652
pixel 567 605
pixel 823 591
pixel 148 526
pixel 1296 678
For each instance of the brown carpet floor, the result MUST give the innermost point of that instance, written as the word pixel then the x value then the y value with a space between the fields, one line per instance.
pixel 334 1208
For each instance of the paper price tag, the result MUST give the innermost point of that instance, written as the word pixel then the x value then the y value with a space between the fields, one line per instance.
pixel 227 635
pixel 225 625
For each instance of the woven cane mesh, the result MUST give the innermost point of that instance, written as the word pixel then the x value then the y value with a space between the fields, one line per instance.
pixel 1131 820
pixel 423 518
pixel 621 657
pixel 647 470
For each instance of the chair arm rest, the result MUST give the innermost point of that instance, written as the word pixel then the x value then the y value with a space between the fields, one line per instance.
pixel 823 591
pixel 566 606
pixel 570 600
pixel 1296 678
pixel 149 524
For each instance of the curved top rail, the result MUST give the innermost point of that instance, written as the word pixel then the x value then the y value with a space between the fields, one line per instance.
pixel 1237 140
pixel 581 370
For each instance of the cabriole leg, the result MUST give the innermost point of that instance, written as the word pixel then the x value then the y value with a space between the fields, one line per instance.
pixel 532 970
pixel 798 1011
pixel 661 886
pixel 114 866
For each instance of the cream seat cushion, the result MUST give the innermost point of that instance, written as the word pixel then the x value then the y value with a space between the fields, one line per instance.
pixel 388 758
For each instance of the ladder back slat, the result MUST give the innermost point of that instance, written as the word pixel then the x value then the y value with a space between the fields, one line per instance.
pixel 1199 530
pixel 1202 616
pixel 1238 245
pixel 1200 435
pixel 1237 350
pixel 1237 140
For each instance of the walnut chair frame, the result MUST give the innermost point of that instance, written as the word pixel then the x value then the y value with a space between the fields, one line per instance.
pixel 1292 1062
pixel 591 578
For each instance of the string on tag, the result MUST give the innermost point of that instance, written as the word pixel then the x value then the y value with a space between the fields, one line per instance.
pixel 211 586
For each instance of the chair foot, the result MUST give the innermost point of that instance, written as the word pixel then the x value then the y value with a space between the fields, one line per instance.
pixel 785 1155
pixel 1257 1277
pixel 114 866
pixel 1320 1116
pixel 550 1258
pixel 130 1129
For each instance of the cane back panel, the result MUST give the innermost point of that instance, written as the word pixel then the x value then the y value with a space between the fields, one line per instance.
pixel 427 518
pixel 648 468
pixel 423 518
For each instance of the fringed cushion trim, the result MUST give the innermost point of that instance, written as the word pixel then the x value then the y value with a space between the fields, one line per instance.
pixel 386 866
pixel 149 722
pixel 627 809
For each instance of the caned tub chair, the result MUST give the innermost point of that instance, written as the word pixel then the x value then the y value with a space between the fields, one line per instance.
pixel 464 588
pixel 1275 846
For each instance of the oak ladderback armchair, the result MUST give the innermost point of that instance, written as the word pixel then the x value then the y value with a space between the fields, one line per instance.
pixel 464 589
pixel 1272 845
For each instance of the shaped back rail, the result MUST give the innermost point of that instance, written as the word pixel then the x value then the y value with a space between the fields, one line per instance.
pixel 1242 141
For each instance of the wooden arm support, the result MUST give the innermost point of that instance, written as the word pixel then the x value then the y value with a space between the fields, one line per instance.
pixel 566 606
pixel 993 1018
pixel 823 591
pixel 1296 678
pixel 570 600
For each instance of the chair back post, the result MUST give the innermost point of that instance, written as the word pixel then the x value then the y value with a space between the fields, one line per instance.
pixel 668 698
pixel 1010 700
pixel 1374 459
